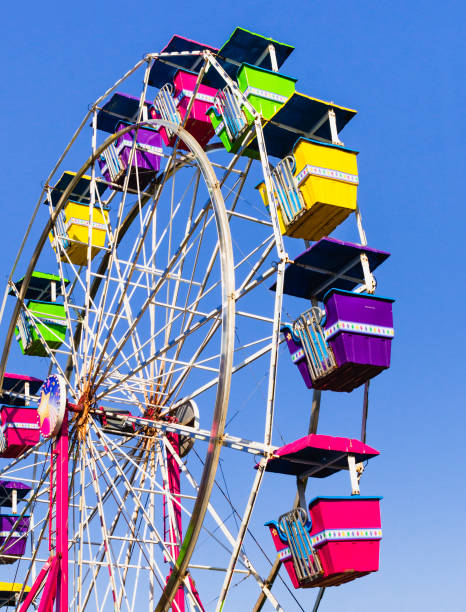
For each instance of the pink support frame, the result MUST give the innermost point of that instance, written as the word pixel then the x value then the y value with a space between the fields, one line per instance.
pixel 173 476
pixel 55 571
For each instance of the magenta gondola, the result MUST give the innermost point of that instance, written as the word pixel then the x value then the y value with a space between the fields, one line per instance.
pixel 19 430
pixel 339 540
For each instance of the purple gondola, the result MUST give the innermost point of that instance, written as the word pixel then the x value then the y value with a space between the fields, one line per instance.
pixel 347 346
pixel 145 161
pixel 13 536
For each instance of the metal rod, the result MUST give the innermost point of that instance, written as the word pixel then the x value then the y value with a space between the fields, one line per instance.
pixel 365 410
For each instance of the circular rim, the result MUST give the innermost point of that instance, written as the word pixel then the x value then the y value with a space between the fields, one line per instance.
pixel 227 332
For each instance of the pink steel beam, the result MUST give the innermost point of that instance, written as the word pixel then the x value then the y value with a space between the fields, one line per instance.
pixel 195 593
pixel 50 589
pixel 55 571
pixel 173 476
pixel 39 581
pixel 62 516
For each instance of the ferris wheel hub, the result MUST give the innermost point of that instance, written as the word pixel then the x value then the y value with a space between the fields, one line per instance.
pixel 84 407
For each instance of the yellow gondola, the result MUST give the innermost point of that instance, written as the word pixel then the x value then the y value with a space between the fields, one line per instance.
pixel 74 231
pixel 10 593
pixel 72 225
pixel 315 187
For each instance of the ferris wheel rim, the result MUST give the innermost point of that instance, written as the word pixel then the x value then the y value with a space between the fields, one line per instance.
pixel 227 324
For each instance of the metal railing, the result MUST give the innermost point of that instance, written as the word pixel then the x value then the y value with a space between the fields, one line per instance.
pixel 229 107
pixel 165 106
pixel 305 559
pixel 319 355
pixel 289 196
pixel 60 230
pixel 24 330
pixel 112 161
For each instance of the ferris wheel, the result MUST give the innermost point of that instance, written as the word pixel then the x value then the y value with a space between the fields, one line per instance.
pixel 149 289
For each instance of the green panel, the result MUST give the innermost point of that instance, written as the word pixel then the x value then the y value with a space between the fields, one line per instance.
pixel 36 348
pixel 47 309
pixel 219 127
pixel 50 331
pixel 54 336
pixel 215 118
pixel 267 91
pixel 50 277
pixel 221 132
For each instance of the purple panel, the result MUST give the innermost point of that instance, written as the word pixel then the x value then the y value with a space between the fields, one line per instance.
pixel 15 545
pixel 144 160
pixel 359 356
pixel 356 348
pixel 147 161
pixel 357 307
pixel 12 484
pixel 304 371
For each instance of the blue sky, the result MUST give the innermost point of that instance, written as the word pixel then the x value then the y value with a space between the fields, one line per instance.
pixel 401 65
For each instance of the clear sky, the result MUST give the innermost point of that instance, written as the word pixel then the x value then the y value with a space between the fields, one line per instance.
pixel 401 65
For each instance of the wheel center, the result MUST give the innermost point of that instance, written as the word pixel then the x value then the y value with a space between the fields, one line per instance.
pixel 85 404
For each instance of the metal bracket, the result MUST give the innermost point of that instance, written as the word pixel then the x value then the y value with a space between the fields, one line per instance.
pixel 333 127
pixel 369 279
pixel 353 475
pixel 301 484
pixel 273 58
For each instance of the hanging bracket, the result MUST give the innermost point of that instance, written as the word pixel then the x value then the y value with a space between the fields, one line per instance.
pixel 353 475
pixel 333 128
pixel 301 484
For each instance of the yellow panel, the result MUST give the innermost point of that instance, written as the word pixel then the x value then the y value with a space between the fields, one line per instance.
pixel 318 222
pixel 77 254
pixel 78 229
pixel 326 156
pixel 78 216
pixel 332 175
pixel 327 177
pixel 263 192
pixel 13 587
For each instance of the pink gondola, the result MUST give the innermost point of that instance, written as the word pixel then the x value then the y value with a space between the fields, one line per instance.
pixel 19 430
pixel 172 102
pixel 340 539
